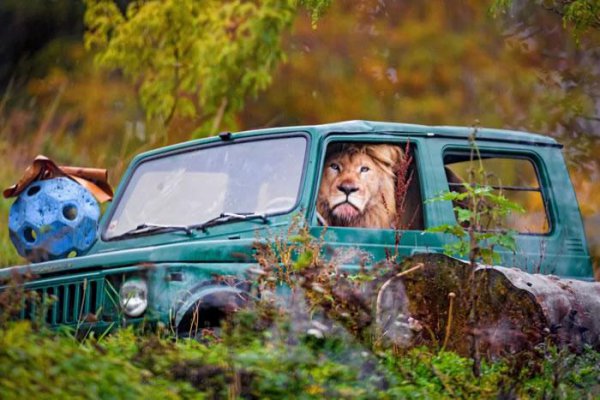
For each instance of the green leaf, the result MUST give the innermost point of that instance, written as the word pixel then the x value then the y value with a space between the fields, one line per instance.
pixel 463 215
pixel 304 260
pixel 455 230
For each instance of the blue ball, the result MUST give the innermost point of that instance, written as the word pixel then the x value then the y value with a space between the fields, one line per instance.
pixel 53 219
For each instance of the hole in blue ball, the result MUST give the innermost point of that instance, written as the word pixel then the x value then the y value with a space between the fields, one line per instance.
pixel 70 212
pixel 33 190
pixel 29 234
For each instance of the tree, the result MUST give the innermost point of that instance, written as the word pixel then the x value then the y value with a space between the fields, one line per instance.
pixel 198 59
pixel 563 35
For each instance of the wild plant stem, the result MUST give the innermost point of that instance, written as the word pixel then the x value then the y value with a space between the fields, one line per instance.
pixel 451 296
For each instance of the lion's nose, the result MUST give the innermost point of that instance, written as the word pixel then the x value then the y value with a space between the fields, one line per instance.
pixel 347 189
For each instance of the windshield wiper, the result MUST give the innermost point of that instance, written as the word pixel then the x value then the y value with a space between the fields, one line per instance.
pixel 228 217
pixel 147 228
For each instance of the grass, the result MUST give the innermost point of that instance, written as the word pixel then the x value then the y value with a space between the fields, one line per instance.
pixel 246 363
pixel 8 175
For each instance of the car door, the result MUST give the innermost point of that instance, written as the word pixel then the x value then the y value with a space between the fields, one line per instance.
pixel 548 233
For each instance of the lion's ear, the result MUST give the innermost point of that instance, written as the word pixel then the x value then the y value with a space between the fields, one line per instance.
pixel 397 155
pixel 387 154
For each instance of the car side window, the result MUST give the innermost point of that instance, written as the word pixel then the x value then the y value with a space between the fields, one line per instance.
pixel 370 185
pixel 514 177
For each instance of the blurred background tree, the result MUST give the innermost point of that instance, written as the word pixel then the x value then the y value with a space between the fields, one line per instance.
pixel 187 58
pixel 162 72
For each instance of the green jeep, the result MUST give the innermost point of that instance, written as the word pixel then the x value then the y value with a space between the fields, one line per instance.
pixel 187 215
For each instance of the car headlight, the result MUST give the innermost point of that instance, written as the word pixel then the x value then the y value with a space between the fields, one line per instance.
pixel 133 297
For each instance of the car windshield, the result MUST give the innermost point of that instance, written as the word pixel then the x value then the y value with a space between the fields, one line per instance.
pixel 261 176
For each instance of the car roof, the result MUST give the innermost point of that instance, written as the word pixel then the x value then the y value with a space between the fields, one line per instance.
pixel 373 127
pixel 454 132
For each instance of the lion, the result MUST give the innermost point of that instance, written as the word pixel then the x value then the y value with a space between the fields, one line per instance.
pixel 358 185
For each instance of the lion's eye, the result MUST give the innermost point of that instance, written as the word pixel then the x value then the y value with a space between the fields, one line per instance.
pixel 364 169
pixel 334 167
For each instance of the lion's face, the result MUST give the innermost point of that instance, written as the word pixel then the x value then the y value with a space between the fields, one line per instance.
pixel 358 186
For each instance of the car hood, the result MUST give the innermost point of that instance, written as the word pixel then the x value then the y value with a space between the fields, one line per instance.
pixel 236 250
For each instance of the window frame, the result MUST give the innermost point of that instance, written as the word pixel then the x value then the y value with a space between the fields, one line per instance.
pixel 538 168
pixel 381 138
pixel 201 146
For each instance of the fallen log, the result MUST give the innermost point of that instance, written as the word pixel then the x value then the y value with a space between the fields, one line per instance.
pixel 440 301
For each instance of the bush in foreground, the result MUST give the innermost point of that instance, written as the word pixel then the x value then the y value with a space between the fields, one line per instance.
pixel 273 363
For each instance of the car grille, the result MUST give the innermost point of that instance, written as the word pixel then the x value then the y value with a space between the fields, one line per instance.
pixel 67 303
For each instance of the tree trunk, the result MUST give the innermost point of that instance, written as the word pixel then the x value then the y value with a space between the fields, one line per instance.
pixel 514 310
pixel 426 301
